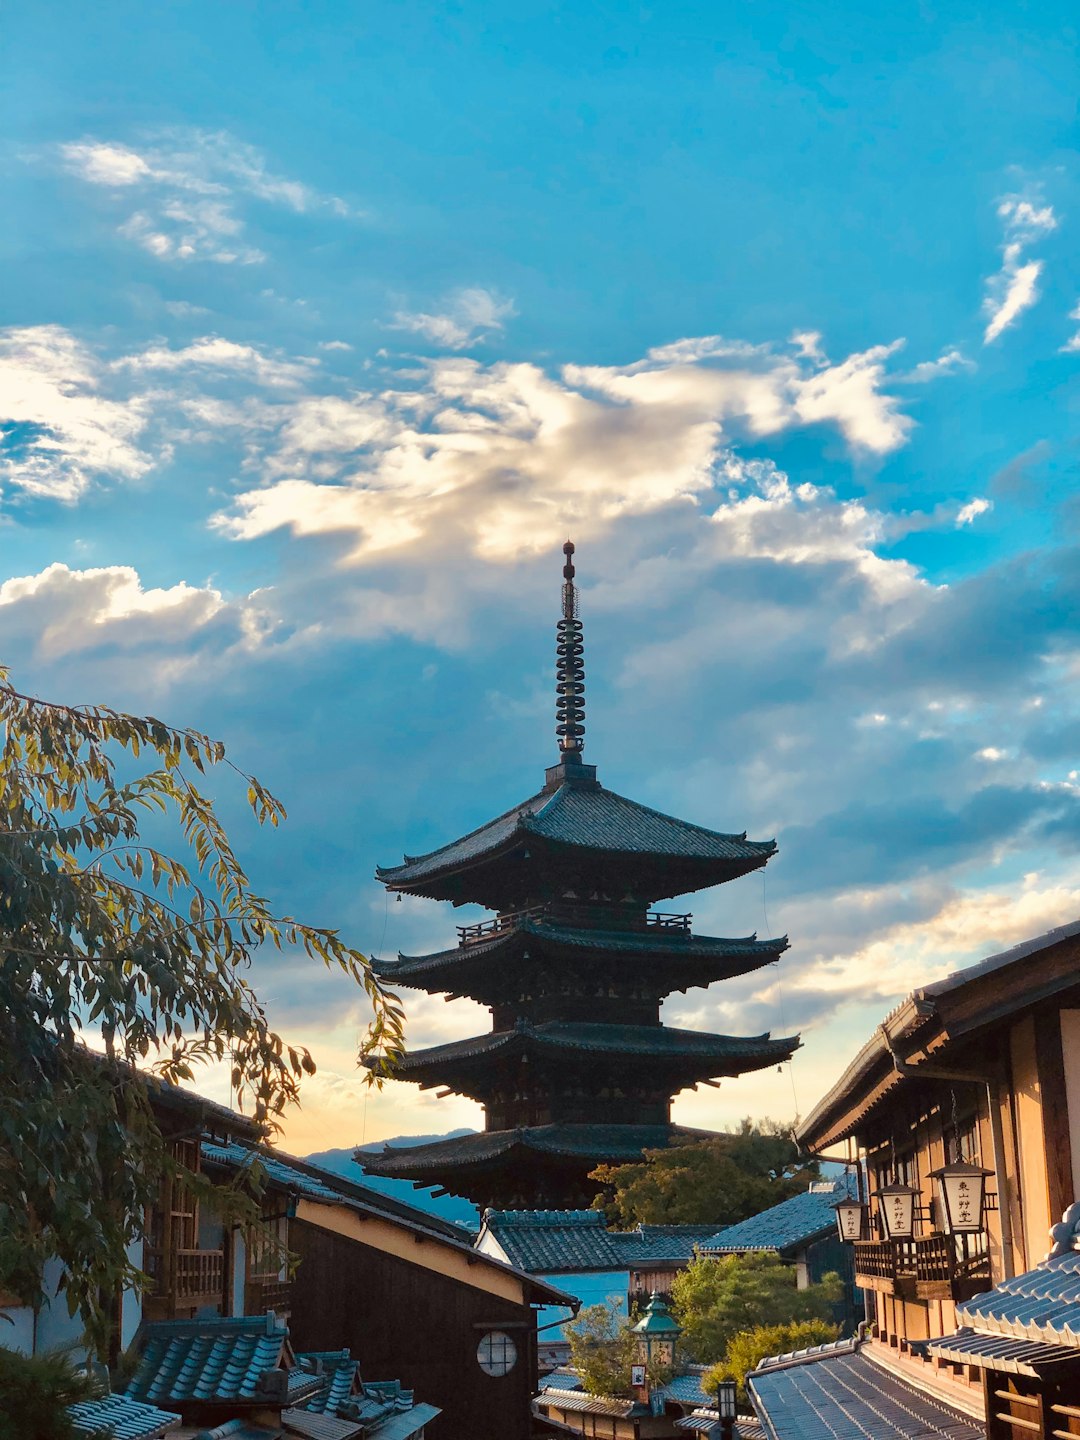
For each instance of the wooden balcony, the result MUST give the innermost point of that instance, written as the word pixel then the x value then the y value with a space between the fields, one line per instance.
pixel 929 1267
pixel 198 1277
pixel 669 923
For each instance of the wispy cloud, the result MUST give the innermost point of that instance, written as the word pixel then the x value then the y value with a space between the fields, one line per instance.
pixel 182 192
pixel 949 362
pixel 1015 287
pixel 1072 345
pixel 469 315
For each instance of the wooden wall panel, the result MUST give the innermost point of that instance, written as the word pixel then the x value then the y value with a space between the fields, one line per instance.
pixel 402 1321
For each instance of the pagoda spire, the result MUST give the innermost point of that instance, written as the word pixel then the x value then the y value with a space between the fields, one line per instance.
pixel 569 669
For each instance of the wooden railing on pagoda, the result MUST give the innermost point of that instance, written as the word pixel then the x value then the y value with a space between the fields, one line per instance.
pixel 554 914
pixel 931 1267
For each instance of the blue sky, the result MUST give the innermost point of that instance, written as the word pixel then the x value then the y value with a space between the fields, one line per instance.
pixel 324 325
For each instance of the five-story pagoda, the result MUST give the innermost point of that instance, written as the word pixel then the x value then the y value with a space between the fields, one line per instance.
pixel 578 1069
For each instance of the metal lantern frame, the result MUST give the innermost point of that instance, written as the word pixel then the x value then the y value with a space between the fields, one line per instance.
pixel 961 1192
pixel 852 1220
pixel 727 1399
pixel 657 1333
pixel 896 1210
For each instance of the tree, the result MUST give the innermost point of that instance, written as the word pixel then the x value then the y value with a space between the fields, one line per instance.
pixel 714 1300
pixel 103 934
pixel 748 1347
pixel 37 1391
pixel 602 1350
pixel 719 1181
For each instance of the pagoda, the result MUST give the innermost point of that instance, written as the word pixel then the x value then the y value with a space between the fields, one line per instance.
pixel 578 1069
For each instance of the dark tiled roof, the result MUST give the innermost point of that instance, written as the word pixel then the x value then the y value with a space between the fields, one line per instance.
pixel 995 1351
pixel 685 1389
pixel 340 1376
pixel 607 1143
pixel 558 1241
pixel 649 1042
pixel 792 1222
pixel 405 1425
pixel 326 1188
pixel 208 1361
pixel 121 1417
pixel 592 818
pixel 314 1425
pixel 656 944
pixel 839 1392
pixel 1042 1304
pixel 564 1378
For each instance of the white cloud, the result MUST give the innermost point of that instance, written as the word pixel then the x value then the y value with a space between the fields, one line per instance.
pixel 183 188
pixel 470 315
pixel 57 428
pixel 214 353
pixel 973 509
pixel 1072 345
pixel 948 362
pixel 1015 288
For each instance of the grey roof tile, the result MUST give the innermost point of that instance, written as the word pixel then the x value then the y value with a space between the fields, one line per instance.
pixel 1041 1304
pixel 207 1360
pixel 793 1222
pixel 994 1351
pixel 594 819
pixel 606 1142
pixel 840 1394
pixel 121 1417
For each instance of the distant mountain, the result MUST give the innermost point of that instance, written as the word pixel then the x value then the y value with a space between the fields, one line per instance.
pixel 447 1207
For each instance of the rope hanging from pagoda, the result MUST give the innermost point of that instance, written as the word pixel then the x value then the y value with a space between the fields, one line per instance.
pixel 570 667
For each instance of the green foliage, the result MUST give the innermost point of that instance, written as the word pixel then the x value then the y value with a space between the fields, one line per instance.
pixel 715 1300
pixel 602 1350
pixel 36 1392
pixel 717 1181
pixel 748 1347
pixel 103 934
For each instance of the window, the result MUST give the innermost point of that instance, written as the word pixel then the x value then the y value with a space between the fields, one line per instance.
pixel 496 1354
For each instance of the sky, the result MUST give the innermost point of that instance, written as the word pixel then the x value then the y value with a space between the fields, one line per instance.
pixel 324 325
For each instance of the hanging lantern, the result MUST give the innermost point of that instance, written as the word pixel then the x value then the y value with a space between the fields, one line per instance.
pixel 961 1189
pixel 896 1207
pixel 852 1220
pixel 657 1332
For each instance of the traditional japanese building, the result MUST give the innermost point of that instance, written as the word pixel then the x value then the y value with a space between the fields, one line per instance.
pixel 578 1069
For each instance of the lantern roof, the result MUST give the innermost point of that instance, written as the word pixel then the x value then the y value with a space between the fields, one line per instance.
pixel 959 1167
pixel 657 1320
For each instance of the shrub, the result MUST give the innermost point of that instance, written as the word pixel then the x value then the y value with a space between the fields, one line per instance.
pixel 748 1347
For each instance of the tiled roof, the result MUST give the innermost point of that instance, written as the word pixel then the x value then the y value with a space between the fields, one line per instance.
pixel 554 1241
pixel 995 1351
pixel 647 1042
pixel 562 1379
pixel 324 1187
pixel 1042 1304
pixel 839 1392
pixel 121 1417
pixel 582 1401
pixel 557 1241
pixel 405 1425
pixel 606 1142
pixel 592 818
pixel 685 1389
pixel 792 1222
pixel 657 945
pixel 208 1361
pixel 314 1425
pixel 340 1375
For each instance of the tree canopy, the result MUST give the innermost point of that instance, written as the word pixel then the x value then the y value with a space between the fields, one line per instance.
pixel 602 1349
pixel 746 1349
pixel 716 1299
pixel 110 943
pixel 718 1181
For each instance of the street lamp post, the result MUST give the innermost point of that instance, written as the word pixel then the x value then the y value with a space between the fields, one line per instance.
pixel 727 1407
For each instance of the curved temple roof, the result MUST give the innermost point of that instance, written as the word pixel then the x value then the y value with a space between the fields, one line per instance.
pixel 599 1144
pixel 631 1043
pixel 712 956
pixel 585 817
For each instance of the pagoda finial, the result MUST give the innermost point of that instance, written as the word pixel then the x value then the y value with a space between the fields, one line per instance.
pixel 569 668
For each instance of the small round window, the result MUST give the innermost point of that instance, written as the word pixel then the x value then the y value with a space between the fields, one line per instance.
pixel 496 1354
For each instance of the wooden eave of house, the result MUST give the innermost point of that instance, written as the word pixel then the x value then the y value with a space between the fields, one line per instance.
pixel 930 1024
pixel 331 1202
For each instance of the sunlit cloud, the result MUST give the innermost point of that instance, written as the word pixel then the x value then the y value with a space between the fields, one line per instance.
pixel 1014 288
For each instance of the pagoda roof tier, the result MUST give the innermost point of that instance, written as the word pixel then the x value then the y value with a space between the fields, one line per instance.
pixel 674 959
pixel 574 832
pixel 600 1144
pixel 668 1059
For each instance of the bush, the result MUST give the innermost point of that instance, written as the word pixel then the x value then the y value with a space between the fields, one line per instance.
pixel 37 1390
pixel 602 1350
pixel 750 1346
